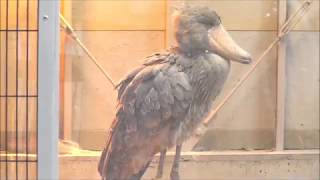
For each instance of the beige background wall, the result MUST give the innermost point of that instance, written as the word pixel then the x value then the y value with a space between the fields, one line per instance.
pixel 302 113
pixel 122 34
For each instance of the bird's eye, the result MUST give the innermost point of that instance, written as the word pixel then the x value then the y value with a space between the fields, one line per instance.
pixel 219 19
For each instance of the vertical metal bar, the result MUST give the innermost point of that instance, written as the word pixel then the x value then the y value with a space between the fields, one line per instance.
pixel 281 79
pixel 0 83
pixel 48 77
pixel 6 90
pixel 17 83
pixel 27 95
pixel 37 85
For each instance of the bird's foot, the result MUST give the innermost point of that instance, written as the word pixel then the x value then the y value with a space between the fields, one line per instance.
pixel 174 175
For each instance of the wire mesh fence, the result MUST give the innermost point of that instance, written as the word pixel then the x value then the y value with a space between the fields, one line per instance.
pixel 18 88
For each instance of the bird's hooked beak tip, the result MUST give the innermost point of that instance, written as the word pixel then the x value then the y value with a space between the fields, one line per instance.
pixel 248 61
pixel 245 59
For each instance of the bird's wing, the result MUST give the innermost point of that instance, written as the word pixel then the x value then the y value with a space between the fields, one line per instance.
pixel 154 100
pixel 157 58
pixel 122 85
pixel 154 93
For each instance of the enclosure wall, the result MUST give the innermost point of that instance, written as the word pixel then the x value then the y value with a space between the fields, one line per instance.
pixel 120 34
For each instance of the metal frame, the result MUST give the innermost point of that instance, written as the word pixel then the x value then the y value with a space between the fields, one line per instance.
pixel 48 78
pixel 281 79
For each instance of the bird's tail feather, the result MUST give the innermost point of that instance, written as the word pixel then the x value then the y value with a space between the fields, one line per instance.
pixel 139 175
pixel 104 155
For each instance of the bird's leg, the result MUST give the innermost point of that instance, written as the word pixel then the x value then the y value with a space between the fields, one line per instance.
pixel 174 175
pixel 161 163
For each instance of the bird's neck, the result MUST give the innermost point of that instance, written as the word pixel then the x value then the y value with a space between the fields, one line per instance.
pixel 191 53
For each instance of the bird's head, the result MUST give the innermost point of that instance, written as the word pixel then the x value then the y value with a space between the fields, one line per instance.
pixel 199 30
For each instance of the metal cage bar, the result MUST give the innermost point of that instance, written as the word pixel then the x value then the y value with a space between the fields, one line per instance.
pixel 48 106
pixel 281 77
pixel 17 125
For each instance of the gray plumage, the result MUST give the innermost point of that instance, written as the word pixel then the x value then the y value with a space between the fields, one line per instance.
pixel 162 102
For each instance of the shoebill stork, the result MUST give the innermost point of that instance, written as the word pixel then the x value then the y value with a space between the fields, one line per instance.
pixel 162 102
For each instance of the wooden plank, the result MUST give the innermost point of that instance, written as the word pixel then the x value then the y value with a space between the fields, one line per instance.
pixel 33 63
pixel 119 15
pixel 2 124
pixel 11 134
pixel 12 14
pixel 66 9
pixel 62 82
pixel 2 63
pixel 211 155
pixel 11 125
pixel 11 66
pixel 32 125
pixel 65 78
pixel 281 80
pixel 22 58
pixel 22 63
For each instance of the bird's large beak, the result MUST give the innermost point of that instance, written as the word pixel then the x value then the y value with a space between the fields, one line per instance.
pixel 222 44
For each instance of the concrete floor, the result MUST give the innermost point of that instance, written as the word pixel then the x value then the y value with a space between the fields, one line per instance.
pixel 236 165
pixel 208 165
